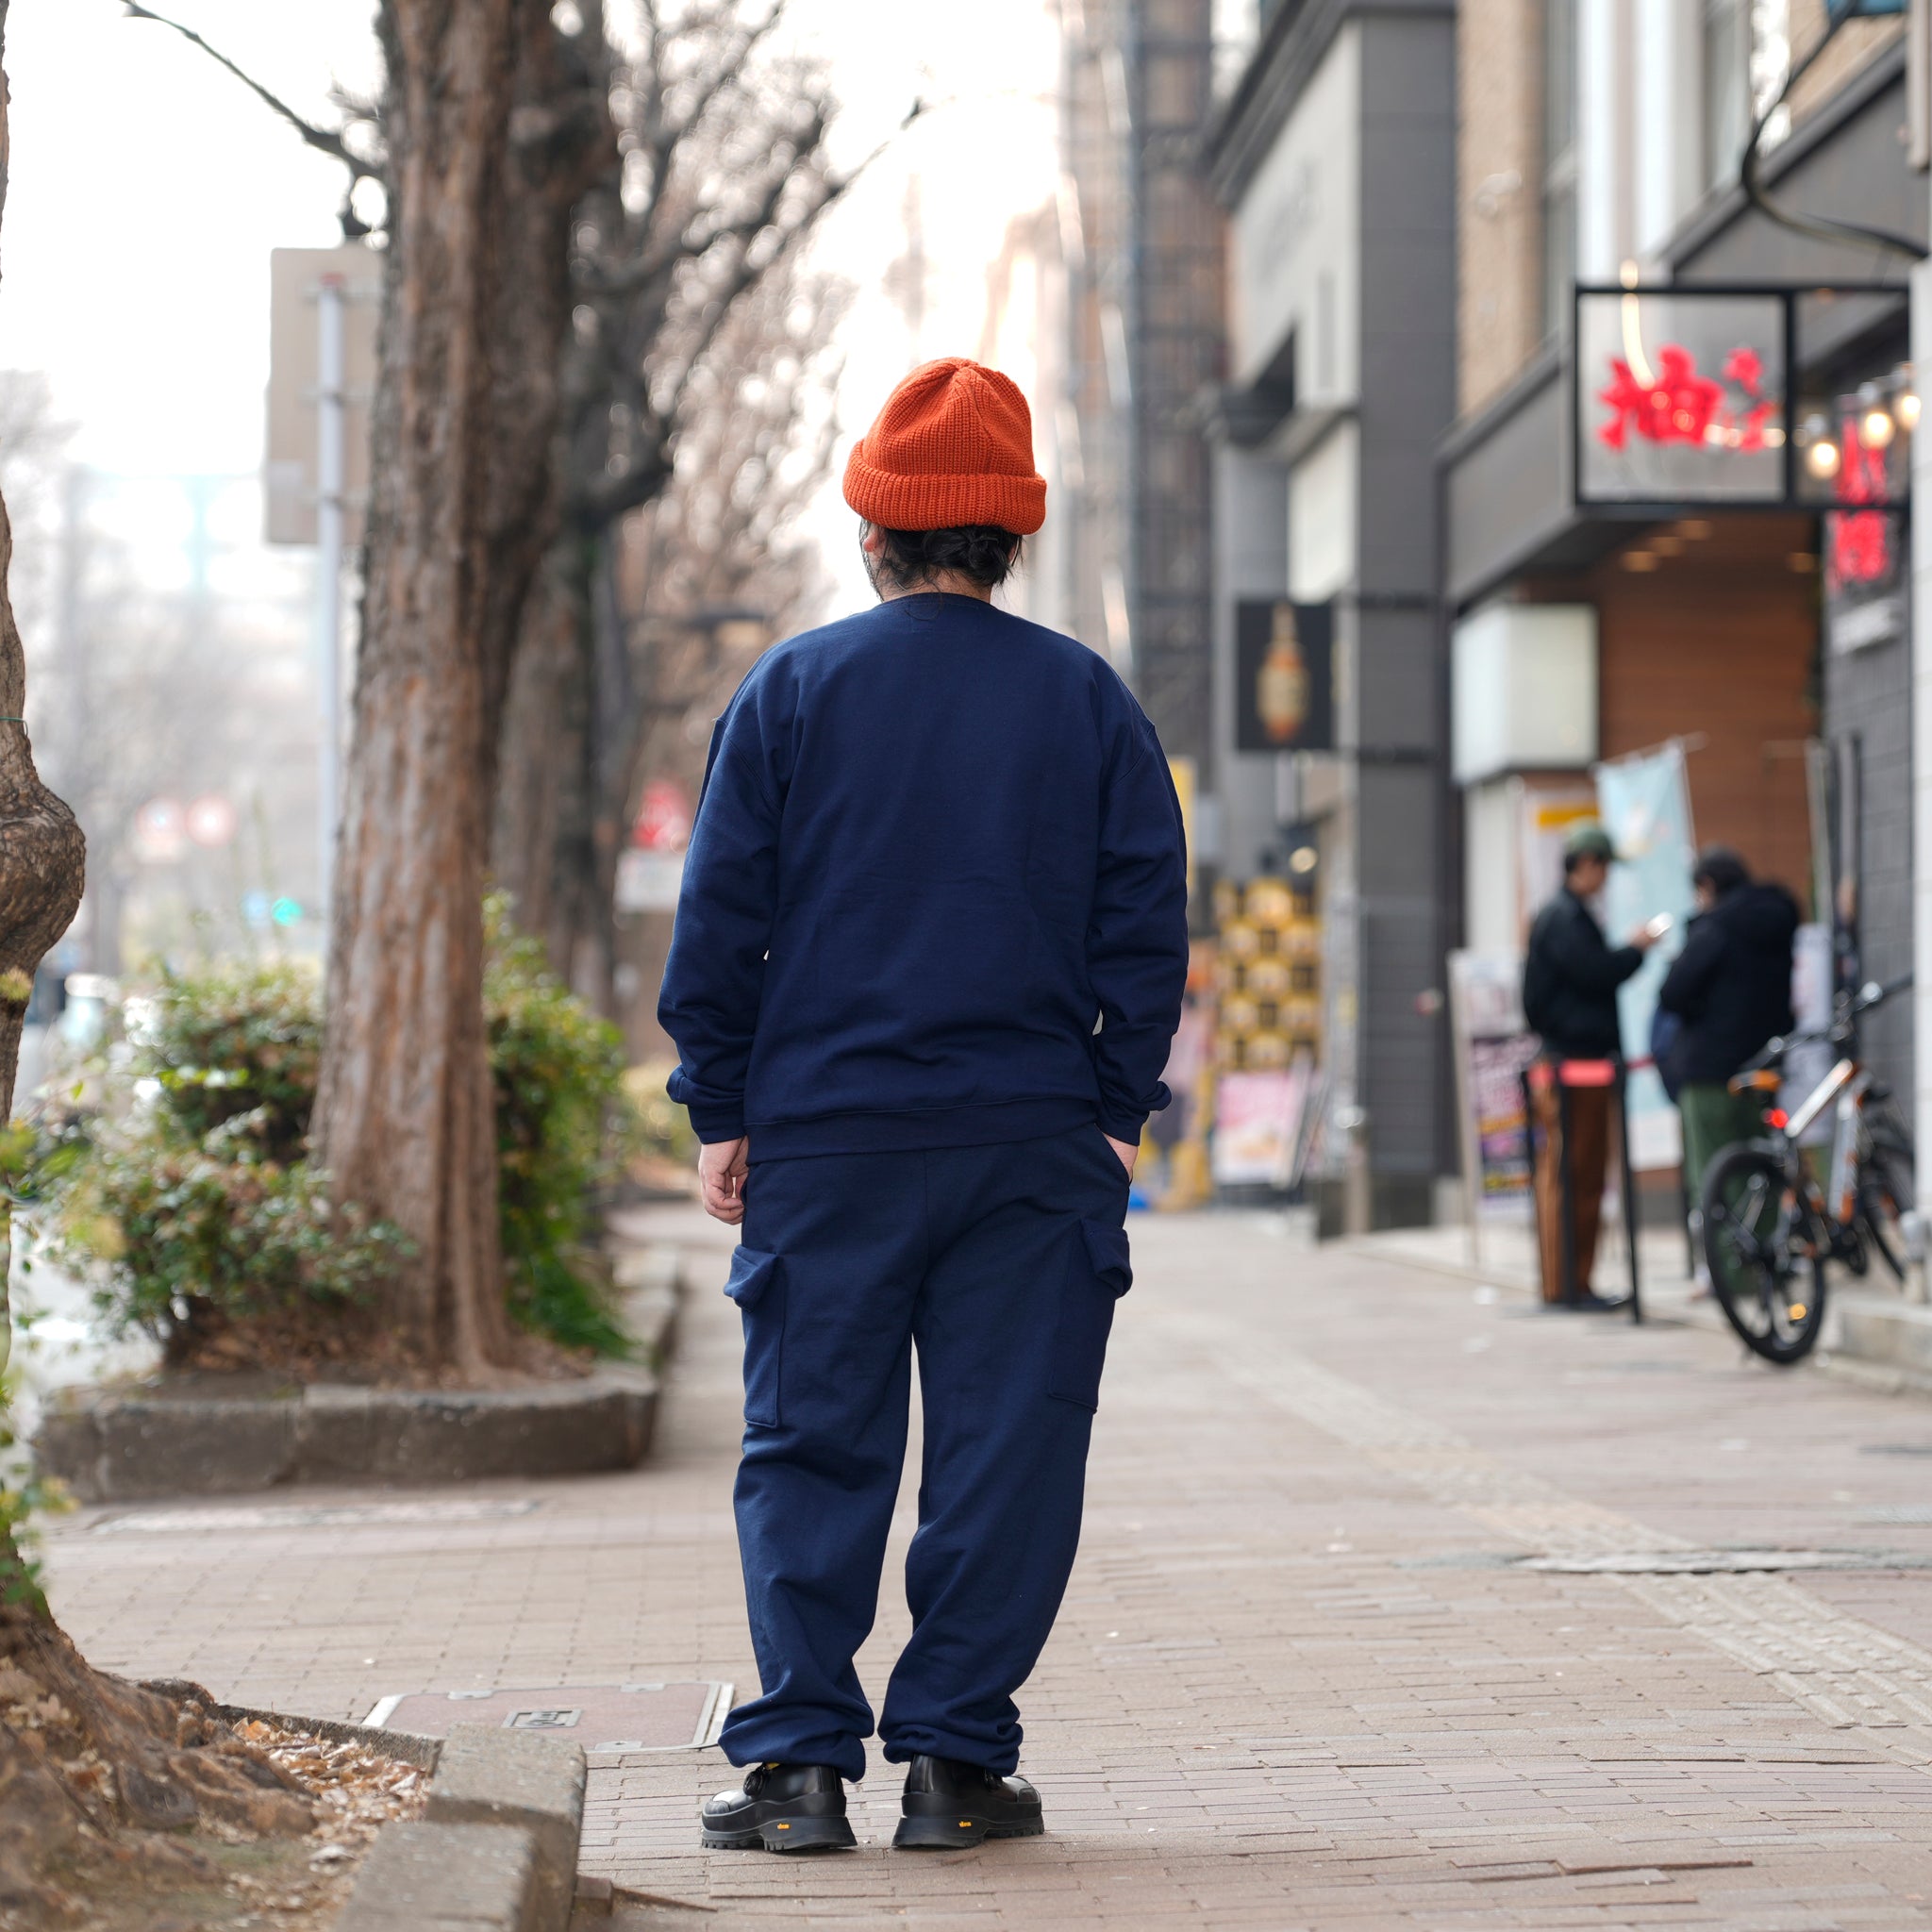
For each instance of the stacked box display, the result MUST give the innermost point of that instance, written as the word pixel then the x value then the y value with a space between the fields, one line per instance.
pixel 1270 974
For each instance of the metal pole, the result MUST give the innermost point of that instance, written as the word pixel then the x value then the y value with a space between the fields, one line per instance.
pixel 330 298
pixel 1572 1290
pixel 1536 1192
pixel 1628 1185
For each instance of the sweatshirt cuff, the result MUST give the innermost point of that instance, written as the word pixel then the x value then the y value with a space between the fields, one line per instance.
pixel 717 1121
pixel 1124 1124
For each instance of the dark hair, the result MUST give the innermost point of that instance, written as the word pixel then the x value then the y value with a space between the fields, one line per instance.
pixel 1721 868
pixel 983 552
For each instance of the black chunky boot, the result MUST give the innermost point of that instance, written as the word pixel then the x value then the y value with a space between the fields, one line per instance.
pixel 948 1803
pixel 780 1807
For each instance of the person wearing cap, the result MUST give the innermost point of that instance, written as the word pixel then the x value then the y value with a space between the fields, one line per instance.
pixel 929 955
pixel 1571 975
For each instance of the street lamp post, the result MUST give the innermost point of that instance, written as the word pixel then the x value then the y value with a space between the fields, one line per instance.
pixel 330 450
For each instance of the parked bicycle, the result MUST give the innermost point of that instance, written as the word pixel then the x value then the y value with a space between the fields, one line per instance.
pixel 1771 1224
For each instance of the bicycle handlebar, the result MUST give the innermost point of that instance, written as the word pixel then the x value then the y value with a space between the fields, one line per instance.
pixel 1849 1006
pixel 1872 994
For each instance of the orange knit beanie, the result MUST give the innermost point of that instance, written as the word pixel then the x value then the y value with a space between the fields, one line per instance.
pixel 954 444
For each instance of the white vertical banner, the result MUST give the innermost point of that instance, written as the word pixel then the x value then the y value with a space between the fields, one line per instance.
pixel 1645 803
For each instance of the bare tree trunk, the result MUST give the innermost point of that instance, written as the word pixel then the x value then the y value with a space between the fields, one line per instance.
pixel 488 138
pixel 723 173
pixel 540 779
pixel 42 855
pixel 561 789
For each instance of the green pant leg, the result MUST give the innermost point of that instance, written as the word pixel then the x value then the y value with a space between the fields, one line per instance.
pixel 1713 1118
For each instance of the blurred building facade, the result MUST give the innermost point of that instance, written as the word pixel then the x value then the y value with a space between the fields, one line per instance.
pixel 1600 144
pixel 1400 468
pixel 1334 160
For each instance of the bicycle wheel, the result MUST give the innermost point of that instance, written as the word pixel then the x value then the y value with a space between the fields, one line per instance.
pixel 1885 1197
pixel 1771 1293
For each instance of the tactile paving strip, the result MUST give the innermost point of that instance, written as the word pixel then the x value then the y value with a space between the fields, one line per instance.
pixel 1842 1670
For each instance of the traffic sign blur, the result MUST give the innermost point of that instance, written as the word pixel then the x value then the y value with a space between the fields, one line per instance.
pixel 212 820
pixel 160 831
pixel 664 819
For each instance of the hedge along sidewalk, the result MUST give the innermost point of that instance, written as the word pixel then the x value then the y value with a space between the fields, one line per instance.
pixel 112 1444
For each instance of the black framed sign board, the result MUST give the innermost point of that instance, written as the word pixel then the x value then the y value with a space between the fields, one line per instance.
pixel 1283 676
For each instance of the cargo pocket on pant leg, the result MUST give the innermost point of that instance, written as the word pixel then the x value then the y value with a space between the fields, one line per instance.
pixel 757 1286
pixel 1097 1274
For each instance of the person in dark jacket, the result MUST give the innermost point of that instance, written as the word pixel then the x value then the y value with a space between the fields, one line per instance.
pixel 1731 991
pixel 1571 975
pixel 928 961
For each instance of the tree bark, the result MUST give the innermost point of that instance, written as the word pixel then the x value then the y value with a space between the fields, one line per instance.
pixel 490 134
pixel 562 790
pixel 539 794
pixel 42 855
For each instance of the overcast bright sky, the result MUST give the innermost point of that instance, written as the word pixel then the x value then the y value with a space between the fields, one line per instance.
pixel 148 188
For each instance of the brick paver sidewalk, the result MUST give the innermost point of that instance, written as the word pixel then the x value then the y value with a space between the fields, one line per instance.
pixel 1304 1676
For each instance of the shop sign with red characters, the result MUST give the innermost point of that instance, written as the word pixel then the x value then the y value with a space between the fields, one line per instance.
pixel 1685 396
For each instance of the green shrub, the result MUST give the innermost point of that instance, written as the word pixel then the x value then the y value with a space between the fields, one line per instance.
pixel 198 1202
pixel 238 1039
pixel 560 1114
pixel 198 1238
pixel 663 1127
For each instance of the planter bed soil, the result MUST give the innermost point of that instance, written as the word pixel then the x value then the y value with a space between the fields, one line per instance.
pixel 214 1878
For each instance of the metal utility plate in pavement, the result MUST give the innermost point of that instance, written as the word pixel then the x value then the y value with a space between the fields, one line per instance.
pixel 214 1522
pixel 1717 1562
pixel 603 1718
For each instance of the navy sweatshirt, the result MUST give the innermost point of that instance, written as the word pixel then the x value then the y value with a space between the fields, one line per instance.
pixel 937 845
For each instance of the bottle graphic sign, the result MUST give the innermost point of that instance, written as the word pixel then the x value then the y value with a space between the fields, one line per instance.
pixel 1281 686
pixel 1285 680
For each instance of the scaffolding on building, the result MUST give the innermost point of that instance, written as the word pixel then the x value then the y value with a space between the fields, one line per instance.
pixel 1141 239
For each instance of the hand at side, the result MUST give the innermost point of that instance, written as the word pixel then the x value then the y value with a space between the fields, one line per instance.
pixel 721 1167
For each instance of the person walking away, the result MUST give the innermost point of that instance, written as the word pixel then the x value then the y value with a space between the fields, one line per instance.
pixel 1571 975
pixel 1731 990
pixel 928 958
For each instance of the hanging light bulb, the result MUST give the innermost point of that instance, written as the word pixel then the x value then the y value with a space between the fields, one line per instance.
pixel 1905 408
pixel 1876 428
pixel 1821 458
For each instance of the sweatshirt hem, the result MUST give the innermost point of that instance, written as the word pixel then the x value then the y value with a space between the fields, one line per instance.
pixel 917 1128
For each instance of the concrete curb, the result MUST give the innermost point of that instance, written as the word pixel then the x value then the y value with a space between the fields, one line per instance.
pixel 496 1849
pixel 112 1445
pixel 527 1782
pixel 411 1747
pixel 427 1878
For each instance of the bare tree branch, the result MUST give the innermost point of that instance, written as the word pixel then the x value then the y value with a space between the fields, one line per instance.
pixel 326 140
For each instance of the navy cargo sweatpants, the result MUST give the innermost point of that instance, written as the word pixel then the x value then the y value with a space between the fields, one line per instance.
pixel 1001 1265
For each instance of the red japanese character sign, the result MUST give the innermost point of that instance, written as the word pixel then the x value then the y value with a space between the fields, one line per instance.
pixel 1674 403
